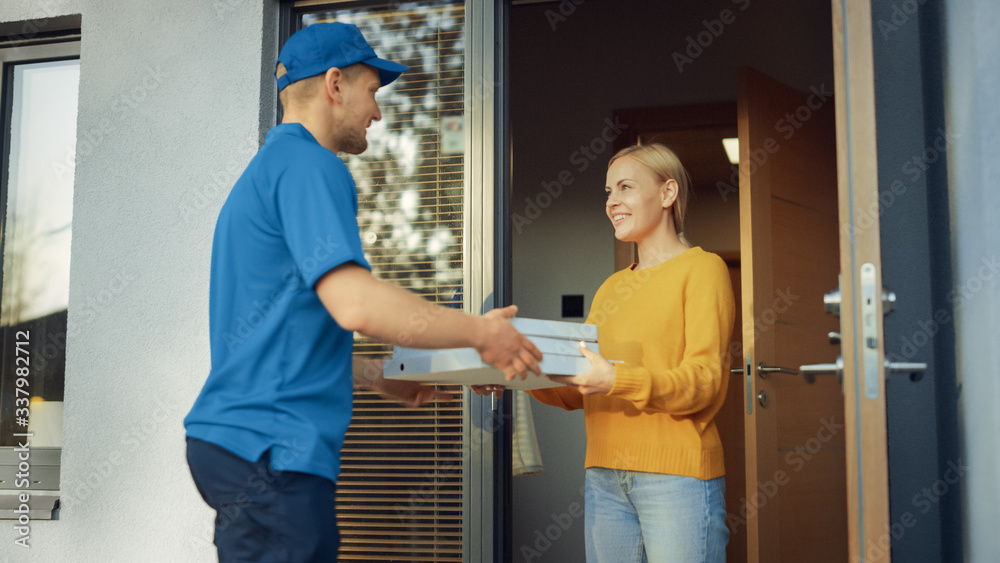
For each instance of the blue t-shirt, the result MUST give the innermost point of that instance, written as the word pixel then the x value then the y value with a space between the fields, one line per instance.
pixel 281 366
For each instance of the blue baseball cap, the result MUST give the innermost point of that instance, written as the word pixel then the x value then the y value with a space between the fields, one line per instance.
pixel 318 48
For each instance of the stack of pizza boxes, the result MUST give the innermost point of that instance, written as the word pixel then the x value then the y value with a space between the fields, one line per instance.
pixel 557 340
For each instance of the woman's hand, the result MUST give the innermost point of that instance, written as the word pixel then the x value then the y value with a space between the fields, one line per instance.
pixel 600 378
pixel 495 390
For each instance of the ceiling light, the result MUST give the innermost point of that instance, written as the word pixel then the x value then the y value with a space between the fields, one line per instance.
pixel 732 146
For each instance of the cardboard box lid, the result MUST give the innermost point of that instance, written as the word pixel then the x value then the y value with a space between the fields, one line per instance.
pixel 555 329
pixel 464 366
pixel 545 345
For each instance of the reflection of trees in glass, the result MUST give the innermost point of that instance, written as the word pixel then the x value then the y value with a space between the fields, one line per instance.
pixel 28 253
pixel 37 230
pixel 16 293
pixel 400 488
pixel 410 192
pixel 39 189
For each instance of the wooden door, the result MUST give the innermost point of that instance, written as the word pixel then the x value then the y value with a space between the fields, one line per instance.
pixel 729 422
pixel 870 533
pixel 795 506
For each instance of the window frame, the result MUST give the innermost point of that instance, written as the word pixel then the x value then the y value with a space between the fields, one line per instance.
pixel 486 498
pixel 44 461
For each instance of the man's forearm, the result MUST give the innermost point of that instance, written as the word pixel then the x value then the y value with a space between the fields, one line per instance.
pixel 359 302
pixel 396 316
pixel 393 315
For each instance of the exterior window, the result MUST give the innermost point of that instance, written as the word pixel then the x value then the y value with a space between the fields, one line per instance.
pixel 400 491
pixel 39 109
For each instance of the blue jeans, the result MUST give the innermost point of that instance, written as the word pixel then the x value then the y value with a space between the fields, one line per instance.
pixel 263 515
pixel 652 517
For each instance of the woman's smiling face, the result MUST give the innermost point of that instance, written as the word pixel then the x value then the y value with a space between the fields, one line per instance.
pixel 638 202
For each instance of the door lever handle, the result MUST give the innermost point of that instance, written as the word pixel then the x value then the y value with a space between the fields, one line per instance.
pixel 763 369
pixel 810 371
pixel 915 369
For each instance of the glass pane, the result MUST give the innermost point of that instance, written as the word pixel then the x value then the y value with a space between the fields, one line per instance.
pixel 410 180
pixel 36 244
pixel 400 489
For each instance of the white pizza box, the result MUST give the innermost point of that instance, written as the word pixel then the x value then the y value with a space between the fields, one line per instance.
pixel 562 346
pixel 464 366
pixel 557 340
pixel 551 337
pixel 555 329
pixel 545 345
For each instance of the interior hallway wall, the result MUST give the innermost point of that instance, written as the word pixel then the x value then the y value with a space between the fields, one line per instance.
pixel 972 77
pixel 570 70
pixel 171 109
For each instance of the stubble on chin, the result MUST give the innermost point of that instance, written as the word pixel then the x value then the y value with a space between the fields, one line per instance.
pixel 354 145
pixel 353 142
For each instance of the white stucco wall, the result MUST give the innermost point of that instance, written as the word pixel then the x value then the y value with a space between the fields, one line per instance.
pixel 972 80
pixel 171 109
pixel 28 10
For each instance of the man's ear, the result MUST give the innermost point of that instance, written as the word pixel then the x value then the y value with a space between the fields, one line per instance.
pixel 668 192
pixel 333 82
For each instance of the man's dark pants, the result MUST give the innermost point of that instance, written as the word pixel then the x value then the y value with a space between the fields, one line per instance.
pixel 263 515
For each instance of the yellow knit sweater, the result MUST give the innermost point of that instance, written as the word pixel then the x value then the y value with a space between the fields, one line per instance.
pixel 668 329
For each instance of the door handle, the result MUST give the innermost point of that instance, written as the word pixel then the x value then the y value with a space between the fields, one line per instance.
pixel 831 301
pixel 915 369
pixel 763 369
pixel 832 298
pixel 810 371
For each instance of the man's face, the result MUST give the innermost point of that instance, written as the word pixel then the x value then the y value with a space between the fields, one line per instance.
pixel 359 110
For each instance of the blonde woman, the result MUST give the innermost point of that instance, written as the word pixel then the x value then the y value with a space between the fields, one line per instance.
pixel 654 468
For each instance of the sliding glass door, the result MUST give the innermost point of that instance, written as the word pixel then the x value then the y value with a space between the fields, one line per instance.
pixel 418 484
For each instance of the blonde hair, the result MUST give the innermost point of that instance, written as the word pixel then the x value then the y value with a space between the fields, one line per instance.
pixel 665 164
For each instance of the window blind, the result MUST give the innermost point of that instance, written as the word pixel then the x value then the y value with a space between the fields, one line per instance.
pixel 400 487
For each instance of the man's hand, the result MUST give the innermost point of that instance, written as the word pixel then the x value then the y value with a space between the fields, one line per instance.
pixel 410 393
pixel 368 374
pixel 600 378
pixel 506 349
